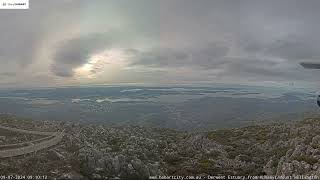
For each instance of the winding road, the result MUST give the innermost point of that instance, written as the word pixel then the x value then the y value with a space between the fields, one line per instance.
pixel 32 146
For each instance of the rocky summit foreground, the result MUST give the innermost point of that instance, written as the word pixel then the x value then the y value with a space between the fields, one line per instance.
pixel 100 152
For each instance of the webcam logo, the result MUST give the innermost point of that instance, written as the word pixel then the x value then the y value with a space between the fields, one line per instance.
pixel 14 4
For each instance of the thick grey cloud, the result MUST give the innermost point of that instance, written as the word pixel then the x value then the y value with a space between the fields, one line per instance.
pixel 22 31
pixel 266 40
pixel 7 74
pixel 23 35
pixel 295 48
pixel 75 52
pixel 310 65
pixel 168 57
pixel 205 40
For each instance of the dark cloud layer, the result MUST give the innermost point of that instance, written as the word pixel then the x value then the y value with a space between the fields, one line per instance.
pixel 75 52
pixel 168 57
pixel 212 40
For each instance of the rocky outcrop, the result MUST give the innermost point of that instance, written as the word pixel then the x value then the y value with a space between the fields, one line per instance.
pixel 132 152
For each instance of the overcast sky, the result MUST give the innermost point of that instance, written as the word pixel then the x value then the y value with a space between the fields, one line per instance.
pixel 72 42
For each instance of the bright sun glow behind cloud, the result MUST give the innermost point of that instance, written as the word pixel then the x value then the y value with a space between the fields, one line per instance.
pixel 87 70
pixel 100 62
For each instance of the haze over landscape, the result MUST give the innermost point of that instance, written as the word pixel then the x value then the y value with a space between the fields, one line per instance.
pixel 184 108
pixel 138 89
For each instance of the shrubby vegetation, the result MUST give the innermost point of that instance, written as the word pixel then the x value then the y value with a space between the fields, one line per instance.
pixel 134 152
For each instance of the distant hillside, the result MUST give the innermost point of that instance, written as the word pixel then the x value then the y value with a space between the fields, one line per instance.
pixel 183 108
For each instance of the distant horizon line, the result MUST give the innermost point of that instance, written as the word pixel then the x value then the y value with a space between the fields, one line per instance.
pixel 153 85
